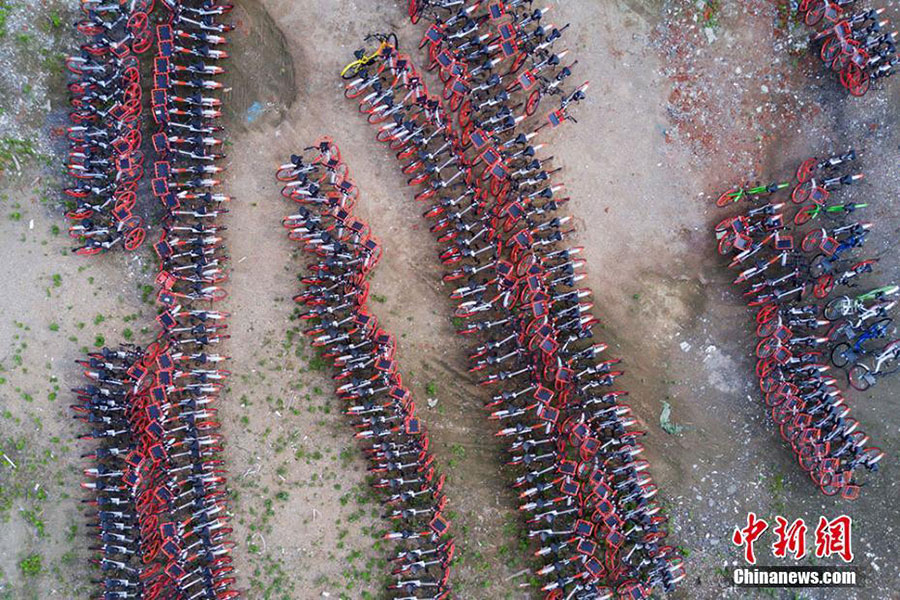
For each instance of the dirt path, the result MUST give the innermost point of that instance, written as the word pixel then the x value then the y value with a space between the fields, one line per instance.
pixel 674 114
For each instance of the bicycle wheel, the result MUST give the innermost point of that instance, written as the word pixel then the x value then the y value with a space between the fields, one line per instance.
pixel 74 66
pixel 884 327
pixel 830 49
pixel 732 195
pixel 143 40
pixel 859 84
pixel 88 251
pixel 841 329
pixel 77 215
pixel 767 347
pixel 768 383
pixel 352 69
pixel 287 173
pixel 818 268
pixel 805 170
pixel 531 104
pixel 774 398
pixel 724 225
pixel 419 179
pixel 807 459
pixel 791 430
pixel 425 194
pixel 815 13
pixel 873 454
pixel 841 61
pixel 805 214
pixel 837 308
pixel 764 366
pixel 767 313
pixel 840 356
pixel 217 294
pixel 823 286
pixel 761 299
pixel 434 211
pixel 768 328
pixel 892 364
pixel 500 188
pixel 355 88
pixel 813 240
pixel 455 101
pixel 801 191
pixel 830 483
pixel 465 112
pixel 138 23
pixel 518 61
pixel 131 76
pixel 726 244
pixel 88 27
pixel 781 414
pixel 414 10
pixel 859 377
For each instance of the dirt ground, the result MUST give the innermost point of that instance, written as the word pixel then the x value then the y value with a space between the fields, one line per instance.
pixel 683 103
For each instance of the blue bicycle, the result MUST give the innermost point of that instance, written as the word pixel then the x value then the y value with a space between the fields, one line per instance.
pixel 847 353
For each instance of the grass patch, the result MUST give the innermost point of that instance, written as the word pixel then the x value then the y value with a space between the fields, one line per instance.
pixel 4 13
pixel 710 16
pixel 13 151
pixel 31 565
pixel 317 363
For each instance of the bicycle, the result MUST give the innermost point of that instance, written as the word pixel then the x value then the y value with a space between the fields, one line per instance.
pixel 364 59
pixel 884 363
pixel 845 306
pixel 808 167
pixel 475 235
pixel 737 194
pixel 811 211
pixel 845 353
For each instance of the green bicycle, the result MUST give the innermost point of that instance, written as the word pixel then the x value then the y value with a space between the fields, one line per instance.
pixel 737 194
pixel 845 306
pixel 810 211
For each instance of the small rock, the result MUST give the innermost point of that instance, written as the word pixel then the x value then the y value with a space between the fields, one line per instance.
pixel 685 346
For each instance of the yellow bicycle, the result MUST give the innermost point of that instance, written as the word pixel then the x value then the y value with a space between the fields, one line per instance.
pixel 364 59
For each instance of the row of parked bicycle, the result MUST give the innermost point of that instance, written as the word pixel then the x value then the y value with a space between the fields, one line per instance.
pixel 794 249
pixel 494 206
pixel 381 409
pixel 858 46
pixel 157 477
pixel 105 156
